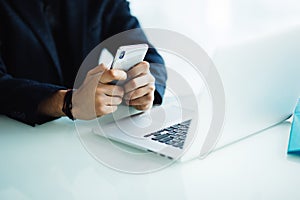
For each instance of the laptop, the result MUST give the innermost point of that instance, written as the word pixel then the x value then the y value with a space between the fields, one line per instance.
pixel 261 83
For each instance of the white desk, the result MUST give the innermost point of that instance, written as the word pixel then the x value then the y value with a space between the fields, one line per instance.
pixel 48 162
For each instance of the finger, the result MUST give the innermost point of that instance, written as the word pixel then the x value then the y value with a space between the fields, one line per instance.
pixel 113 101
pixel 105 110
pixel 111 75
pixel 97 70
pixel 140 92
pixel 103 100
pixel 137 70
pixel 144 107
pixel 110 90
pixel 147 99
pixel 138 82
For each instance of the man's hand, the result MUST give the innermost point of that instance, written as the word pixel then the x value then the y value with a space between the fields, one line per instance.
pixel 139 90
pixel 96 97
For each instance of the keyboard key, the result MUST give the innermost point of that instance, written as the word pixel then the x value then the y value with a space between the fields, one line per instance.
pixel 174 135
pixel 178 144
pixel 170 142
pixel 166 139
pixel 177 138
pixel 156 134
pixel 175 144
pixel 181 134
pixel 182 137
pixel 148 135
pixel 164 132
pixel 160 137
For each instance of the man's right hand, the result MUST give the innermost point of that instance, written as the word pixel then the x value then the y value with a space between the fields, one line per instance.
pixel 96 97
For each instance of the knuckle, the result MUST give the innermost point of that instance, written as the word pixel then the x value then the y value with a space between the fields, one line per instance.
pixel 102 76
pixel 136 93
pixel 132 97
pixel 127 87
pixel 111 101
pixel 122 75
pixel 119 101
pixel 143 107
pixel 151 87
pixel 133 84
pixel 113 92
pixel 111 73
pixel 89 72
pixel 101 109
pixel 102 66
pixel 101 91
pixel 152 79
pixel 113 109
pixel 109 110
pixel 149 97
pixel 145 64
pixel 128 96
pixel 119 90
pixel 99 102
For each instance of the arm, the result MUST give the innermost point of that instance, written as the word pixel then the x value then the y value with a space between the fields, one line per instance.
pixel 33 102
pixel 20 97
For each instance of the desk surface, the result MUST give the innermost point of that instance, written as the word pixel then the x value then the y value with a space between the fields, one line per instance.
pixel 49 162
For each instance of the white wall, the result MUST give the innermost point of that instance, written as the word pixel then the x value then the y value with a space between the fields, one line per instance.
pixel 213 22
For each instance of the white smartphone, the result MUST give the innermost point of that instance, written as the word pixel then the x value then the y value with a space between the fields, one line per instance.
pixel 128 56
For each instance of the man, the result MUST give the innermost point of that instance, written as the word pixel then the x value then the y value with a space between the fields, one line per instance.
pixel 43 43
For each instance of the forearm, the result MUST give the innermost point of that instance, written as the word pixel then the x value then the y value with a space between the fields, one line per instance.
pixel 52 106
pixel 23 97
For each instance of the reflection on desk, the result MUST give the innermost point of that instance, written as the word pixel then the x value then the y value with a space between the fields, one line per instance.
pixel 48 162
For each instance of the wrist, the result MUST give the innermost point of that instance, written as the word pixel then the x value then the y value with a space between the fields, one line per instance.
pixel 67 104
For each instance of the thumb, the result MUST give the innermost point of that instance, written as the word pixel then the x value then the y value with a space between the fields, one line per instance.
pixel 98 70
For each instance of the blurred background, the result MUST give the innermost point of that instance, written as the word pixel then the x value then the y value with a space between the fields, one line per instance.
pixel 212 23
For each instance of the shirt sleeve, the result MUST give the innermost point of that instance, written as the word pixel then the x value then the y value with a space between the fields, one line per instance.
pixel 20 98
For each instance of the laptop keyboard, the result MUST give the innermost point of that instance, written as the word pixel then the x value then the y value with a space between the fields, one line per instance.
pixel 174 135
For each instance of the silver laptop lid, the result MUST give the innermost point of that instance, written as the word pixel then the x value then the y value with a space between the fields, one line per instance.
pixel 261 78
